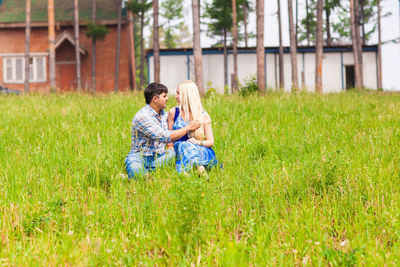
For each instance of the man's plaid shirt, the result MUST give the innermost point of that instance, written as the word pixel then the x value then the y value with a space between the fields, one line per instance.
pixel 150 131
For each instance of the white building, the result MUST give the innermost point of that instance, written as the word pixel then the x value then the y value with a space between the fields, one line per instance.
pixel 337 71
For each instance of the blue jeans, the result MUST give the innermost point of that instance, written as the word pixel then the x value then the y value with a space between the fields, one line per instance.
pixel 137 164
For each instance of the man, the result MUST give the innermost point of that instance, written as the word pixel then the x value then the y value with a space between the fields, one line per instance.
pixel 150 133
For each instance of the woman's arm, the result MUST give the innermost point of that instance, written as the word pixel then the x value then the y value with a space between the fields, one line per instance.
pixel 209 137
pixel 171 115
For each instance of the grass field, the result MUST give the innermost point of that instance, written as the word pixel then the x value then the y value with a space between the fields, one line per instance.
pixel 308 179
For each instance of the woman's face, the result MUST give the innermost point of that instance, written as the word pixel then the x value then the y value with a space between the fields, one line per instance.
pixel 178 100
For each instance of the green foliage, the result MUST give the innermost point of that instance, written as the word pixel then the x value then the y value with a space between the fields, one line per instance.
pixel 338 258
pixel 219 12
pixel 308 179
pixel 172 10
pixel 340 20
pixel 96 31
pixel 138 6
pixel 249 86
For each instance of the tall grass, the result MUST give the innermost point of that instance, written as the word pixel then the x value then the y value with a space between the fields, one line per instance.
pixel 307 179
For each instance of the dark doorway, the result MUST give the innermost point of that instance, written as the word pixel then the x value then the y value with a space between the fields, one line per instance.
pixel 350 77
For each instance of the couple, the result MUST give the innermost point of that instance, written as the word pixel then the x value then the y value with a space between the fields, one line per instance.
pixel 185 132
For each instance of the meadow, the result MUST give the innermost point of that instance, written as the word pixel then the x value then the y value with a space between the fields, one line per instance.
pixel 307 180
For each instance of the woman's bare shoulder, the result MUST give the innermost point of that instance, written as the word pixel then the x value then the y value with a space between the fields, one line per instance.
pixel 172 111
pixel 206 117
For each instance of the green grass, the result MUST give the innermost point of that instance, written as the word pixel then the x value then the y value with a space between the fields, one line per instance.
pixel 308 179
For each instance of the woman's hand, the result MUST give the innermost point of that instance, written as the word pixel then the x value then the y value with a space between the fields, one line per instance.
pixel 194 141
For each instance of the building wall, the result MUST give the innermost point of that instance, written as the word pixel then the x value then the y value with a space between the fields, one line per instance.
pixel 13 41
pixel 174 69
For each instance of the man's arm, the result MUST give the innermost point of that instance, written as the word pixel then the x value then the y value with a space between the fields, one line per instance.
pixel 153 130
pixel 192 126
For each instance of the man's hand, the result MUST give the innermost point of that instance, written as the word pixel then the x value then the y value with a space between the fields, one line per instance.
pixel 193 125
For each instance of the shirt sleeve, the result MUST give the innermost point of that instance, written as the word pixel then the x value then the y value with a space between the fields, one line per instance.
pixel 152 129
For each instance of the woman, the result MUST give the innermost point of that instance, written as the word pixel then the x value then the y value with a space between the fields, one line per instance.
pixel 193 149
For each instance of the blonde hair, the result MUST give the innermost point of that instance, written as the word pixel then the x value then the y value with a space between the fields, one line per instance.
pixel 190 103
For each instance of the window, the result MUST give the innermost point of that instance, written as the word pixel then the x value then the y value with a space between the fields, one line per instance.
pixel 14 69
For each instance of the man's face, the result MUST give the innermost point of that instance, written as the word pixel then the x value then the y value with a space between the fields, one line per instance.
pixel 161 100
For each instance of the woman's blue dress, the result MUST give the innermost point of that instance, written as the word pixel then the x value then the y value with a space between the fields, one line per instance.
pixel 189 154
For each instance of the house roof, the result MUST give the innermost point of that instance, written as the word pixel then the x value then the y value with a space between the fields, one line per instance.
pixel 66 36
pixel 13 11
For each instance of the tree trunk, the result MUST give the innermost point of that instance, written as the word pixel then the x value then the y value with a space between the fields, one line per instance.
pixel 52 50
pixel 354 43
pixel 281 70
pixel 293 48
pixel 379 65
pixel 328 25
pixel 260 46
pixel 297 20
pixel 141 49
pixel 77 46
pixel 156 45
pixel 235 52
pixel 93 49
pixel 362 14
pixel 27 44
pixel 132 62
pixel 359 42
pixel 225 61
pixel 197 51
pixel 307 24
pixel 319 47
pixel 118 48
pixel 245 16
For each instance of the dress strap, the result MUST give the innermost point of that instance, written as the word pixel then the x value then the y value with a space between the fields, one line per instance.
pixel 176 113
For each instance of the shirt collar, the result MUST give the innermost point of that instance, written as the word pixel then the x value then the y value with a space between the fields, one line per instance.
pixel 153 112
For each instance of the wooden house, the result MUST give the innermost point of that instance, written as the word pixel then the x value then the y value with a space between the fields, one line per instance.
pixel 12 46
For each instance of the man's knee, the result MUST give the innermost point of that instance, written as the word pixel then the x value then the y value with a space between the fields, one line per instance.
pixel 133 169
pixel 134 165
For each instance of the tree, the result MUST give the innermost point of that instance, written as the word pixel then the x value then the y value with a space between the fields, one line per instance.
pixel 319 47
pixel 293 48
pixel 156 45
pixel 281 70
pixel 139 8
pixel 307 31
pixel 329 6
pixel 93 48
pixel 220 14
pixel 171 10
pixel 379 65
pixel 245 16
pixel 355 48
pixel 27 44
pixel 197 51
pixel 260 46
pixel 132 63
pixel 118 48
pixel 96 32
pixel 77 46
pixel 235 52
pixel 307 23
pixel 52 50
pixel 358 40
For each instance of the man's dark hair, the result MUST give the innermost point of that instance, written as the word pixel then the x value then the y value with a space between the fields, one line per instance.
pixel 154 89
